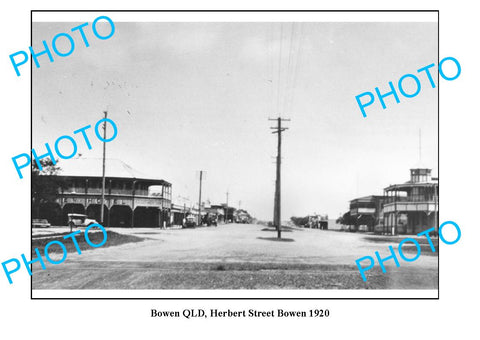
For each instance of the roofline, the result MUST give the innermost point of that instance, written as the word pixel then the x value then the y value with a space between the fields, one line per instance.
pixel 411 185
pixel 160 181
pixel 367 197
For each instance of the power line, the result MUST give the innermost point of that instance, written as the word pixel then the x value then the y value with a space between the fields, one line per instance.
pixel 291 92
pixel 272 66
pixel 279 67
pixel 287 65
pixel 287 76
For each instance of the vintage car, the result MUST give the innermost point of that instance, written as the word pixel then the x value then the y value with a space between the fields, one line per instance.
pixel 190 222
pixel 40 223
pixel 79 220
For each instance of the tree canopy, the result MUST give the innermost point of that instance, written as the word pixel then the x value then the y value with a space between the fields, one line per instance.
pixel 45 184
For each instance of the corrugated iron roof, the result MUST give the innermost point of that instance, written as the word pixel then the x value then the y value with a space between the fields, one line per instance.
pixel 92 167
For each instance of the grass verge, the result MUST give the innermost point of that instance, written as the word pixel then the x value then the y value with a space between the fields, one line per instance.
pixel 113 239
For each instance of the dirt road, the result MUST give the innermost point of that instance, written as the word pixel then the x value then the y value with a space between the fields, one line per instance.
pixel 235 257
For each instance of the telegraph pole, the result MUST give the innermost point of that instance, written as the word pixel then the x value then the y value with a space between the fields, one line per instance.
pixel 103 168
pixel 277 216
pixel 226 209
pixel 200 200
pixel 184 199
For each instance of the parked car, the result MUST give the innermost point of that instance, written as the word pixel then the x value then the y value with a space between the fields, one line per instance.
pixel 190 222
pixel 79 220
pixel 40 223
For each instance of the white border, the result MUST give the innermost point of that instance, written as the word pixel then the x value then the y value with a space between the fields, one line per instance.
pixel 237 294
pixel 150 16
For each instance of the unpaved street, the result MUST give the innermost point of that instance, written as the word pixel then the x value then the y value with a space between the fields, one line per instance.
pixel 235 256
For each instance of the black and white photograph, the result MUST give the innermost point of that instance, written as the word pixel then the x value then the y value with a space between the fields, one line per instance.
pixel 234 155
pixel 239 170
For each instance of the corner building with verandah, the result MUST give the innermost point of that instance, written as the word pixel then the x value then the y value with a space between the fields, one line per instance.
pixel 412 207
pixel 131 198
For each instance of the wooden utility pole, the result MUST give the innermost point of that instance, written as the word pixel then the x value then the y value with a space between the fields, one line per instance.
pixel 226 209
pixel 200 200
pixel 184 199
pixel 103 167
pixel 277 216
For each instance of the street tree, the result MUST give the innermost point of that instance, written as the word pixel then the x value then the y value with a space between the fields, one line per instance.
pixel 45 187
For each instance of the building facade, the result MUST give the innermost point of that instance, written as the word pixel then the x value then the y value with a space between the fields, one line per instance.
pixel 130 201
pixel 411 207
pixel 366 212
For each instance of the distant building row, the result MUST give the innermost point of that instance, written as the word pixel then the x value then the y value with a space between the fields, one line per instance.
pixel 131 199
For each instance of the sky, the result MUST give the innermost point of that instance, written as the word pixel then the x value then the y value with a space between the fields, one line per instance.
pixel 197 96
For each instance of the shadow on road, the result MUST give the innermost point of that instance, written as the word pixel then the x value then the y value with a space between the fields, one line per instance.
pixel 283 230
pixel 276 239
